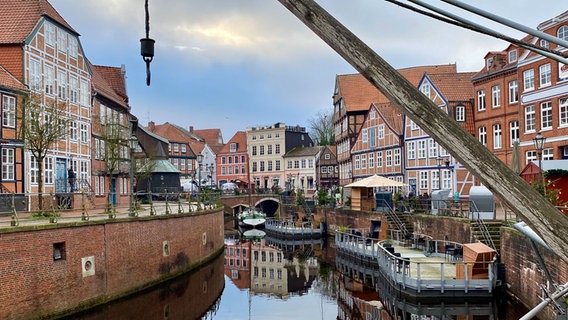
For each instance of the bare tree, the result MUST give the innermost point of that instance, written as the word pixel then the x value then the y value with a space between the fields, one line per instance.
pixel 113 148
pixel 41 127
pixel 321 128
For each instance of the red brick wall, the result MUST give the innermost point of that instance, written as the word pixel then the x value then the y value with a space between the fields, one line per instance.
pixel 128 255
pixel 523 273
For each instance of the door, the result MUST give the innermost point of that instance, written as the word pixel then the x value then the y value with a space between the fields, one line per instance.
pixel 113 191
pixel 60 175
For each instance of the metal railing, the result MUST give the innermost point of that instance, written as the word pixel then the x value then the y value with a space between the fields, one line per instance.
pixel 423 274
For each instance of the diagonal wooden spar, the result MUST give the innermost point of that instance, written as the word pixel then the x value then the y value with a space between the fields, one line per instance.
pixel 525 201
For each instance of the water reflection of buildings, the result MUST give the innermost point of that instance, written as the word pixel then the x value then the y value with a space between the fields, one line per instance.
pixel 271 266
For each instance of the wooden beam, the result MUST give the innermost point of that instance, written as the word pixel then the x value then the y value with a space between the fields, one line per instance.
pixel 525 201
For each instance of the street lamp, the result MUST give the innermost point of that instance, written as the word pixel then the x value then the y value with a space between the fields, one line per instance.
pixel 199 164
pixel 133 142
pixel 539 141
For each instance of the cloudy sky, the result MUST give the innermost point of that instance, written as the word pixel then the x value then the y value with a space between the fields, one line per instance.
pixel 235 64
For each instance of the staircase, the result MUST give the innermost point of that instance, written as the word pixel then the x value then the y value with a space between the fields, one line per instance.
pixel 487 232
pixel 398 220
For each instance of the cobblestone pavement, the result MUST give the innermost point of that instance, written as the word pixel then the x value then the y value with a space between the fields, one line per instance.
pixel 98 214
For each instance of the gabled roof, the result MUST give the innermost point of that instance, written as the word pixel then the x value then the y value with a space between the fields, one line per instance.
pixel 358 93
pixel 303 152
pixel 8 81
pixel 175 133
pixel 240 138
pixel 213 137
pixel 454 87
pixel 391 115
pixel 20 17
pixel 109 82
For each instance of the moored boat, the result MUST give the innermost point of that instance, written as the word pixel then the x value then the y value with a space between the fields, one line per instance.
pixel 252 218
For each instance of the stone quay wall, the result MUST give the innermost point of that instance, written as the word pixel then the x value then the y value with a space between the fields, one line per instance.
pixel 48 270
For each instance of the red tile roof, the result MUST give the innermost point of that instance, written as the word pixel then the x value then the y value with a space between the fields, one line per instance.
pixel 213 137
pixel 8 81
pixel 392 116
pixel 174 133
pixel 20 17
pixel 109 82
pixel 454 87
pixel 240 138
pixel 358 93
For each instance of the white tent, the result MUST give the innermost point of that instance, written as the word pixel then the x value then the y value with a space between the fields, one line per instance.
pixel 375 181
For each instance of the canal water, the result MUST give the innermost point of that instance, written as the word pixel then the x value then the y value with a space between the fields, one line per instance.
pixel 274 279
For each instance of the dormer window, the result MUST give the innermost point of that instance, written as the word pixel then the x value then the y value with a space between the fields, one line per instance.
pixel 544 43
pixel 512 56
pixel 460 113
pixel 489 63
pixel 233 147
pixel 563 33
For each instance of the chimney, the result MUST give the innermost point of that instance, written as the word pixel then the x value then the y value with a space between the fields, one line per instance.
pixel 191 129
pixel 151 126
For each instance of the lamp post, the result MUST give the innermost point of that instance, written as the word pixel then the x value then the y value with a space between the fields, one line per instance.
pixel 539 141
pixel 132 144
pixel 199 164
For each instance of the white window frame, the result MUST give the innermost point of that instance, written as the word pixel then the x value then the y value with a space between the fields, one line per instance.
pixel 424 180
pixel 482 135
pixel 495 96
pixel 397 157
pixel 460 113
pixel 546 115
pixel 49 33
pixel 388 158
pixel 530 156
pixel 563 112
pixel 497 136
pixel 49 79
pixel 514 132
pixel 84 131
pixel 528 80
pixel 421 149
pixel 8 111
pixel 481 100
pixel 530 118
pixel 379 159
pixel 432 148
pixel 48 170
pixel 513 91
pixel 8 164
pixel 410 152
pixel 545 72
pixel 62 84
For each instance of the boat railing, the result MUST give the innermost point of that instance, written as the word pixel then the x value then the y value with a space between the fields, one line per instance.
pixel 439 266
pixel 288 226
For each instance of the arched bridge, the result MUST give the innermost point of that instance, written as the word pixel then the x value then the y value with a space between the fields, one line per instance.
pixel 267 203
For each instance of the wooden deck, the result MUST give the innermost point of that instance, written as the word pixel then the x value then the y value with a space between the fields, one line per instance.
pixel 415 270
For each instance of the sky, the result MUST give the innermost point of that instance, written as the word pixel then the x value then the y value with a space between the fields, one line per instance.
pixel 237 64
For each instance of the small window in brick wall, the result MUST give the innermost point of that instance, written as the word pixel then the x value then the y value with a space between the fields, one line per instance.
pixel 59 251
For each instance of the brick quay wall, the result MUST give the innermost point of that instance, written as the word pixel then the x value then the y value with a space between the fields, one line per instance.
pixel 523 275
pixel 47 270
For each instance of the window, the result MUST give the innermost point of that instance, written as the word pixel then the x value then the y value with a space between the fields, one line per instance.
pixel 371 160
pixel 489 63
pixel 85 93
pixel 289 164
pixel 545 75
pixel 514 131
pixel 34 170
pixel 544 43
pixel 481 100
pixel 296 164
pixel 62 85
pixel 413 125
pixel 483 135
pixel 277 148
pixel 495 96
pixel 497 137
pixel 546 115
pixel 528 79
pixel 323 169
pixel 357 162
pixel 49 78
pixel 563 33
pixel 84 133
pixel 423 180
pixel 277 166
pixel 411 151
pixel 8 111
pixel 512 56
pixel 381 133
pixel 73 47
pixel 372 131
pixel 365 135
pixel 233 147
pixel 176 147
pixel 388 158
pixel 460 113
pixel 269 149
pixel 421 149
pixel 303 164
pixel 35 75
pixel 182 164
pixel 435 175
pixel 513 91
pixel 183 148
pixel 425 89
pixel 254 150
pixel 530 119
pixel 7 164
pixel 73 89
pixel 363 161
pixel 379 159
pixel 397 158
pixel 48 170
pixel 49 31
pixel 547 154
pixel 563 112
pixel 432 148
pixel 61 40
pixel 531 156
pixel 261 150
pixel 254 166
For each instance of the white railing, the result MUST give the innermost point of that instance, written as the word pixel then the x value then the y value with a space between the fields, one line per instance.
pixel 449 273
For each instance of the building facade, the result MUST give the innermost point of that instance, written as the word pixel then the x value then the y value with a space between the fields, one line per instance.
pixel 232 161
